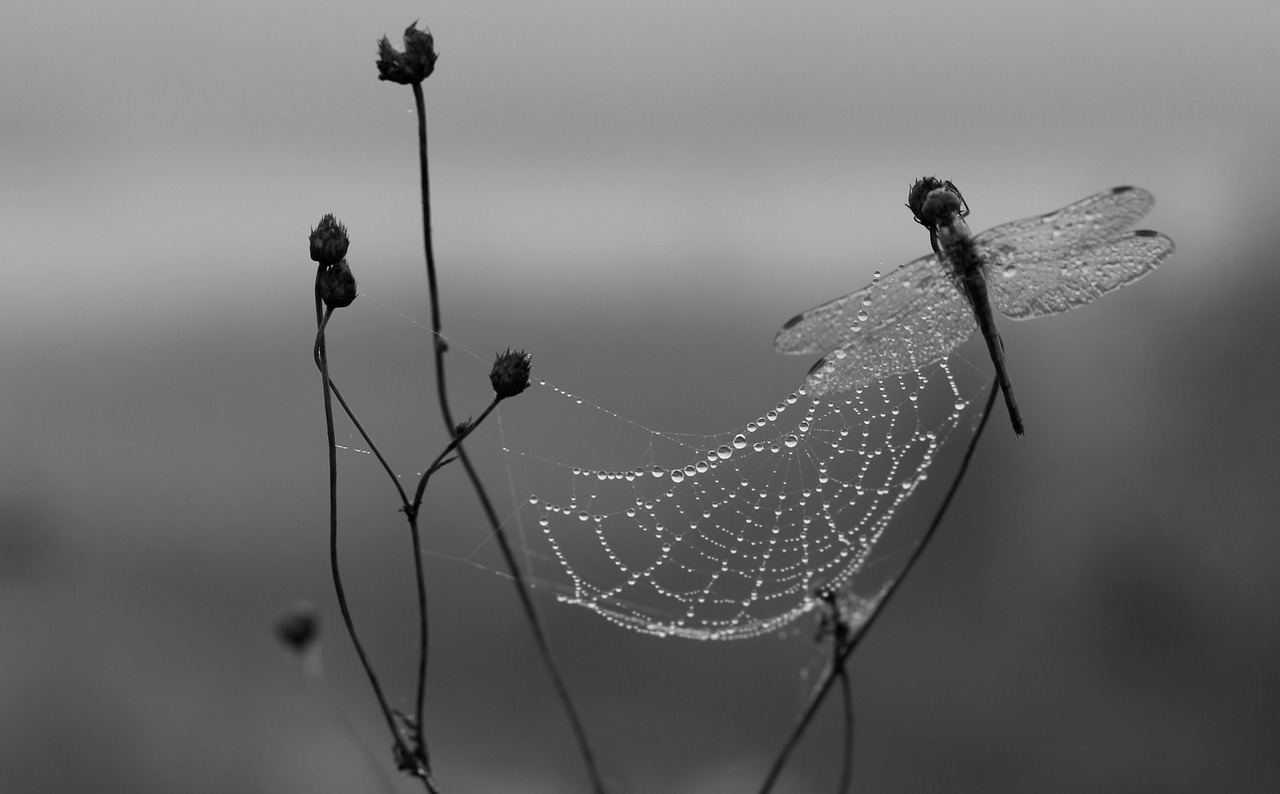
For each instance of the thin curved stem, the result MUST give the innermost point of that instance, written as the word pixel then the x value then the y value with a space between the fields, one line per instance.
pixel 339 590
pixel 517 576
pixel 318 352
pixel 829 679
pixel 438 344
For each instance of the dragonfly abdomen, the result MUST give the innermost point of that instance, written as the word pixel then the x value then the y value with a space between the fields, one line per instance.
pixel 969 275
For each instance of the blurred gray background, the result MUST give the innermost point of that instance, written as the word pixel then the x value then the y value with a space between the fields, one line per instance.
pixel 639 193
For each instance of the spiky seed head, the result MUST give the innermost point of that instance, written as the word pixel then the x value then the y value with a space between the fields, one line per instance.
pixel 329 241
pixel 338 286
pixel 415 64
pixel 510 373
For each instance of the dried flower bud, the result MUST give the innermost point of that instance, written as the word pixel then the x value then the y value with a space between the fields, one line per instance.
pixel 510 373
pixel 415 64
pixel 338 286
pixel 299 628
pixel 329 241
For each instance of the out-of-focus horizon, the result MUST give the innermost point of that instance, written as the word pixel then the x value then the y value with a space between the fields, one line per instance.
pixel 640 194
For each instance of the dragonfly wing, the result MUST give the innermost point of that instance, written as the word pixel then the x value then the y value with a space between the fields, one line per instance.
pixel 1025 286
pixel 1097 219
pixel 914 317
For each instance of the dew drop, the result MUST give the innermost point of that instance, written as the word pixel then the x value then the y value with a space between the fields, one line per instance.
pixel 724 453
pixel 677 475
pixel 739 442
pixel 658 471
pixel 791 441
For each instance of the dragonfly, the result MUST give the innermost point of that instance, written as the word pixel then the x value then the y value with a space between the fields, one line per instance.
pixel 925 309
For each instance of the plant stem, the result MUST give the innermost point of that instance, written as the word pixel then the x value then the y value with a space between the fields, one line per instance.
pixel 440 346
pixel 837 669
pixel 339 590
pixel 319 350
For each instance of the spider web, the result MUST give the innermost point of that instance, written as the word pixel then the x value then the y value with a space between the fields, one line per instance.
pixel 730 535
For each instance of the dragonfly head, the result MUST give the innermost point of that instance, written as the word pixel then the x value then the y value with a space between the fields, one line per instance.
pixel 934 202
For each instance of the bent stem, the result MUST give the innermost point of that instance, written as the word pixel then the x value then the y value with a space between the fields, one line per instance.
pixel 517 576
pixel 412 511
pixel 339 590
pixel 838 668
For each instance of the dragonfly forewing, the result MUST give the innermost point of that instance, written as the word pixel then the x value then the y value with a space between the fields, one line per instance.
pixel 1091 221
pixel 909 319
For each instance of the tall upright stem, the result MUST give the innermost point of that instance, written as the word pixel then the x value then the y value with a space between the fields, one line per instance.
pixel 517 576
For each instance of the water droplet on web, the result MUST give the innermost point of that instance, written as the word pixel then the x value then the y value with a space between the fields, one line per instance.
pixel 723 544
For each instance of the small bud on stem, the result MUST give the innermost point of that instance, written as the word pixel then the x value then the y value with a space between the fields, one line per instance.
pixel 510 373
pixel 338 286
pixel 415 64
pixel 329 241
pixel 299 628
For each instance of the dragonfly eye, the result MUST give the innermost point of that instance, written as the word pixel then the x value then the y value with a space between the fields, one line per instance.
pixel 939 207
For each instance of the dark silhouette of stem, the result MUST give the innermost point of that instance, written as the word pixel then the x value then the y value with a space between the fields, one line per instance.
pixel 837 669
pixel 339 590
pixel 319 350
pixel 440 346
